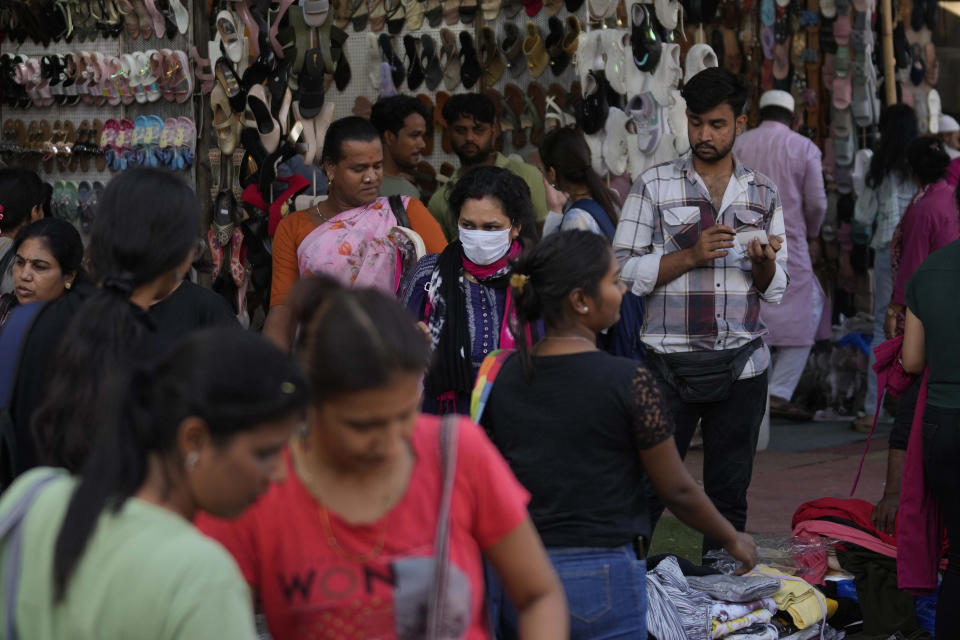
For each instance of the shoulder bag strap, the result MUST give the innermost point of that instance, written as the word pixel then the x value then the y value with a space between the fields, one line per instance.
pixel 489 369
pixel 399 211
pixel 441 550
pixel 12 524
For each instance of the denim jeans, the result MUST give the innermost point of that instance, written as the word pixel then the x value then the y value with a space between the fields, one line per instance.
pixel 882 291
pixel 606 594
pixel 730 431
pixel 941 450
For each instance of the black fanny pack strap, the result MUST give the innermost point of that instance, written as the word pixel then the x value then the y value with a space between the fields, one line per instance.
pixel 744 355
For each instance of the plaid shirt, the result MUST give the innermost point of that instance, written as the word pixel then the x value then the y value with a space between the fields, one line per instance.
pixel 716 306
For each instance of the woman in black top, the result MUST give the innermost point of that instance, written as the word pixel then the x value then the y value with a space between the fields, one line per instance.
pixel 580 427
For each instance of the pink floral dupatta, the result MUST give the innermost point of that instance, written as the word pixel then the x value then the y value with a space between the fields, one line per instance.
pixel 355 248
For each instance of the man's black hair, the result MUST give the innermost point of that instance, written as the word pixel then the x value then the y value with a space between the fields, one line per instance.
pixel 470 105
pixel 388 114
pixel 715 86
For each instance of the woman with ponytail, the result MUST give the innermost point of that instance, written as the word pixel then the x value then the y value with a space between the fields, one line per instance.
pixel 462 294
pixel 141 246
pixel 113 553
pixel 579 199
pixel 580 429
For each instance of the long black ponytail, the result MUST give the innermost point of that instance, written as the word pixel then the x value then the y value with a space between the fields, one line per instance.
pixel 146 225
pixel 232 379
pixel 545 275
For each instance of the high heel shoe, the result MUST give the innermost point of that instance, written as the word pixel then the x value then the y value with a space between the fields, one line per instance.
pixel 268 128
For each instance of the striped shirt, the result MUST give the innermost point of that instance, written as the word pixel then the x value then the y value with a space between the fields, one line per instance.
pixel 714 307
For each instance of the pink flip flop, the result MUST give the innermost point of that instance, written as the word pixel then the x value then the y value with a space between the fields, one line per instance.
pixel 159 26
pixel 238 256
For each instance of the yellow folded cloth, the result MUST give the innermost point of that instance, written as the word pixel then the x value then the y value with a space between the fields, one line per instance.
pixel 805 605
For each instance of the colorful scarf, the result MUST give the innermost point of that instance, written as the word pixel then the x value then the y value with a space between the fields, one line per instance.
pixel 446 313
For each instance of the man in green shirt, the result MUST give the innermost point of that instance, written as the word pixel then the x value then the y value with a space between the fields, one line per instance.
pixel 403 124
pixel 473 129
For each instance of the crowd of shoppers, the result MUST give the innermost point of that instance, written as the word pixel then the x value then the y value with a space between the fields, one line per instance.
pixel 446 430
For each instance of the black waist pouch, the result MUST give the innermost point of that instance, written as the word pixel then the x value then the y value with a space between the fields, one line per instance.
pixel 701 377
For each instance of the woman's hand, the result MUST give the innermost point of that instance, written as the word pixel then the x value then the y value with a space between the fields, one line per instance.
pixel 743 549
pixel 894 311
pixel 884 515
pixel 556 199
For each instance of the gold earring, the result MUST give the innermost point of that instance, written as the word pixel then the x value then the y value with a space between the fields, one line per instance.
pixel 68 285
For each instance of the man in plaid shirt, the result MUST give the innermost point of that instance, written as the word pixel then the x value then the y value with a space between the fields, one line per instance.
pixel 702 238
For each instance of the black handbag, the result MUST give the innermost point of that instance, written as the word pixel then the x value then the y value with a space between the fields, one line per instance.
pixel 701 377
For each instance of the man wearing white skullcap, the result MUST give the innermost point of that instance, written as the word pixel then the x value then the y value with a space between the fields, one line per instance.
pixel 793 162
pixel 950 135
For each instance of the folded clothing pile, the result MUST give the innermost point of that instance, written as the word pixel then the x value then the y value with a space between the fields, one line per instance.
pixel 709 607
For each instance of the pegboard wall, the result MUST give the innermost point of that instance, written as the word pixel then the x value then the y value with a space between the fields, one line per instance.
pixel 362 57
pixel 108 46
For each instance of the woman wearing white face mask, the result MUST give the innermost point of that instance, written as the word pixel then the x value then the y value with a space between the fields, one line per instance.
pixel 462 293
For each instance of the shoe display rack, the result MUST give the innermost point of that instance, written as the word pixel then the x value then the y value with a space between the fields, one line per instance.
pixel 109 87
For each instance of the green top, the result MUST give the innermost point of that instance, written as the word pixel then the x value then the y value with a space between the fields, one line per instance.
pixel 933 295
pixel 397 186
pixel 439 204
pixel 146 573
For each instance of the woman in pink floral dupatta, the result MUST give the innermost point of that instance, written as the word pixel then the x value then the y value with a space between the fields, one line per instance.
pixel 354 234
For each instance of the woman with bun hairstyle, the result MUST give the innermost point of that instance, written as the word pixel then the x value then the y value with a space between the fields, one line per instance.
pixel 380 527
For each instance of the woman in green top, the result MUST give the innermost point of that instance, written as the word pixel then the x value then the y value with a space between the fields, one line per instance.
pixel 931 338
pixel 113 552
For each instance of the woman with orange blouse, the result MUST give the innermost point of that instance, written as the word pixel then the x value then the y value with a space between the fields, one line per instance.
pixel 324 237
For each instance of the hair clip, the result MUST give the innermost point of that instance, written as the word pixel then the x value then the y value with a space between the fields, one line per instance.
pixel 518 281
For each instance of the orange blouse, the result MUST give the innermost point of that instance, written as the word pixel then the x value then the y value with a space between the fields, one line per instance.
pixel 296 226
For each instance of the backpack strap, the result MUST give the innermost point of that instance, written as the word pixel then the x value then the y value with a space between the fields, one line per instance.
pixel 596 212
pixel 489 370
pixel 11 345
pixel 441 545
pixel 11 524
pixel 399 211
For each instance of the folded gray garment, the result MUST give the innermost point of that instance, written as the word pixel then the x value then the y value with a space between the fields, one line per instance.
pixel 755 632
pixel 829 633
pixel 735 588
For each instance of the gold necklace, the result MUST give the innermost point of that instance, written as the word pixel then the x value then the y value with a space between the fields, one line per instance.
pixel 306 478
pixel 356 558
pixel 591 343
pixel 323 218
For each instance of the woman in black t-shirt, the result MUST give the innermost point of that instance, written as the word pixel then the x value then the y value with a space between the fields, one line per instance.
pixel 579 428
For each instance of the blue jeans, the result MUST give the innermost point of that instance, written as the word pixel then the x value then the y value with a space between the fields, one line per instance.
pixel 606 594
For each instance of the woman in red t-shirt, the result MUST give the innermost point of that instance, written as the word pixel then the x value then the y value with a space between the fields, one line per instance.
pixel 344 546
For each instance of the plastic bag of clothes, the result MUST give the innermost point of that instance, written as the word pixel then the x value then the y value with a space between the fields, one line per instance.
pixel 803 557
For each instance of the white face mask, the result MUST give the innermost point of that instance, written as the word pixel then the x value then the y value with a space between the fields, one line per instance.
pixel 485 247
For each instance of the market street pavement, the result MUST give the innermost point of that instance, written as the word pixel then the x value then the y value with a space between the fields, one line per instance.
pixel 804 461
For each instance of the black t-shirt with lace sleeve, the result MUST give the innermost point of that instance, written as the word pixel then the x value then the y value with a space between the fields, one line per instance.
pixel 572 436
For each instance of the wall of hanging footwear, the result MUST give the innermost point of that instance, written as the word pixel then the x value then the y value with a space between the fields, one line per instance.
pixel 92 87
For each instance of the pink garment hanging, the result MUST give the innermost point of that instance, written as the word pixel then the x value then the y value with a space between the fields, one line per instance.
pixel 919 526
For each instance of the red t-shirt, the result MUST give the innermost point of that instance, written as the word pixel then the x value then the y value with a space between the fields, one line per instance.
pixel 312 587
